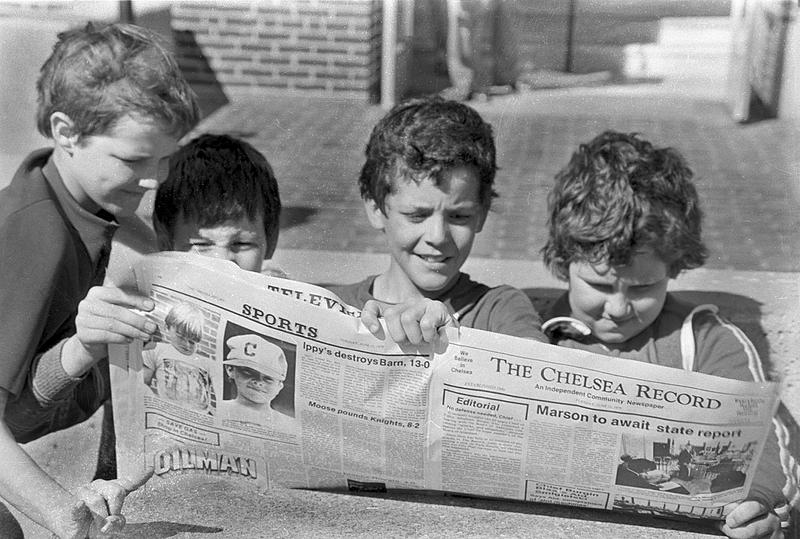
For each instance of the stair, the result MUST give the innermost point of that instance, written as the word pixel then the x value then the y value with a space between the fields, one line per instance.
pixel 690 53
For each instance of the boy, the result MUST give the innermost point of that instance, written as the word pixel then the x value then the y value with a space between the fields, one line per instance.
pixel 427 186
pixel 220 199
pixel 257 369
pixel 171 368
pixel 624 219
pixel 114 103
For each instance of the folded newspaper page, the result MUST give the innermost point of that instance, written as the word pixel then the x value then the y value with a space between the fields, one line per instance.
pixel 276 382
pixel 517 419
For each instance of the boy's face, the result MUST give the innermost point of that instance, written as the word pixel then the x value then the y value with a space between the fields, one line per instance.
pixel 254 386
pixel 618 303
pixel 243 241
pixel 180 342
pixel 103 171
pixel 429 229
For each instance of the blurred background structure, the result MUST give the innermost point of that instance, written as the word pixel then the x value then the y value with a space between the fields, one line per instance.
pixel 305 80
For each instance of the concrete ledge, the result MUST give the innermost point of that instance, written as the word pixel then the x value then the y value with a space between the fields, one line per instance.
pixel 193 505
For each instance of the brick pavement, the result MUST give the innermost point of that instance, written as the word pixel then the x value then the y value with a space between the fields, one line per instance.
pixel 747 175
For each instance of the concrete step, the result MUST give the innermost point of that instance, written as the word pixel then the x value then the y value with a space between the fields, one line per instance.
pixel 693 48
pixel 649 60
pixel 694 31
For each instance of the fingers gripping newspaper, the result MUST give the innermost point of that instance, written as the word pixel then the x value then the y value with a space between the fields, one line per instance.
pixel 276 382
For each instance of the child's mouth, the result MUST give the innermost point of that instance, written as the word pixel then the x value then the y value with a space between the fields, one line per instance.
pixel 433 259
pixel 148 183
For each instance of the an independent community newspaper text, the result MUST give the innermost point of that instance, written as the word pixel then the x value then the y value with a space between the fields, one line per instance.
pixel 272 381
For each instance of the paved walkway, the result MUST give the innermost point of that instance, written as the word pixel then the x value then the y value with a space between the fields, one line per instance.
pixel 747 175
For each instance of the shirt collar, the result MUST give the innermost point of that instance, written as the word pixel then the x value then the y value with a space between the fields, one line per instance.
pixel 95 231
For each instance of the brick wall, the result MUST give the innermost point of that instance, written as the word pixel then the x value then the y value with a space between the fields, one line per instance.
pixel 329 47
pixel 77 10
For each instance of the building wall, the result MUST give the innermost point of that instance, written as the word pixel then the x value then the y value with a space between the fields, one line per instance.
pixel 329 47
pixel 59 10
pixel 790 90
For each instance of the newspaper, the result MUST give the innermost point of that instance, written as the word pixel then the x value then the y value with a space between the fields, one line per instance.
pixel 286 387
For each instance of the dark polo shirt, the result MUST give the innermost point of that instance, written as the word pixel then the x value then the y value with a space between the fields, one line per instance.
pixel 51 252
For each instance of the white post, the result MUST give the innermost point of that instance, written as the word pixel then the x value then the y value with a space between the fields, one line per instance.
pixel 389 54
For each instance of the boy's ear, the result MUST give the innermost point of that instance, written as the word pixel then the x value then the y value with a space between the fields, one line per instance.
pixel 375 215
pixel 482 219
pixel 63 130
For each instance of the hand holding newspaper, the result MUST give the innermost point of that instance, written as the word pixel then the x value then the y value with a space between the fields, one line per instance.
pixel 282 385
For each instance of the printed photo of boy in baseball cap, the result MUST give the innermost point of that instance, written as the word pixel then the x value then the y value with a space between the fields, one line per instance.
pixel 257 369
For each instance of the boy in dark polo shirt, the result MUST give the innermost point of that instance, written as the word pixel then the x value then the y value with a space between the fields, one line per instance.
pixel 114 103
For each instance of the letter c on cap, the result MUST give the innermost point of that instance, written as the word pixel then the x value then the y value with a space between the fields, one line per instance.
pixel 249 349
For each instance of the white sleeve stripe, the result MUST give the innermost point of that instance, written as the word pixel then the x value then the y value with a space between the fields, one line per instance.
pixel 753 360
pixel 687 335
pixel 790 467
pixel 791 489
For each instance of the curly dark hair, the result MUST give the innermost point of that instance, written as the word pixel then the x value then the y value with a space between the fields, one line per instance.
pixel 422 138
pixel 100 73
pixel 617 195
pixel 214 179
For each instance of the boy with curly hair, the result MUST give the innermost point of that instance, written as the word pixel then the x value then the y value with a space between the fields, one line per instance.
pixel 624 219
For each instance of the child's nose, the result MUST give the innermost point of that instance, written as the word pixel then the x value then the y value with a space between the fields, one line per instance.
pixel 223 253
pixel 155 171
pixel 617 305
pixel 436 231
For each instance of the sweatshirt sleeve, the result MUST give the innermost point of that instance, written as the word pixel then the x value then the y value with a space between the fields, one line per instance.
pixel 49 382
pixel 724 350
pixel 27 289
pixel 511 312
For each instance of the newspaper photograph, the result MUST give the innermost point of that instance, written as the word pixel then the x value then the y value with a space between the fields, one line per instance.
pixel 276 382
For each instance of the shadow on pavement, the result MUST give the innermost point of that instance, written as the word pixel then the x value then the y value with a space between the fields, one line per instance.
pixel 295 216
pixel 162 529
pixel 198 72
pixel 534 508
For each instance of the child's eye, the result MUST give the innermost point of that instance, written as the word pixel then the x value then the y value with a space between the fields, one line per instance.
pixel 460 218
pixel 641 287
pixel 604 288
pixel 244 246
pixel 200 246
pixel 416 217
pixel 129 161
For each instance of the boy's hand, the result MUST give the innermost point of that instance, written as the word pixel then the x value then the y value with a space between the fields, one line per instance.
pixel 751 519
pixel 74 522
pixel 104 317
pixel 413 321
pixel 105 499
